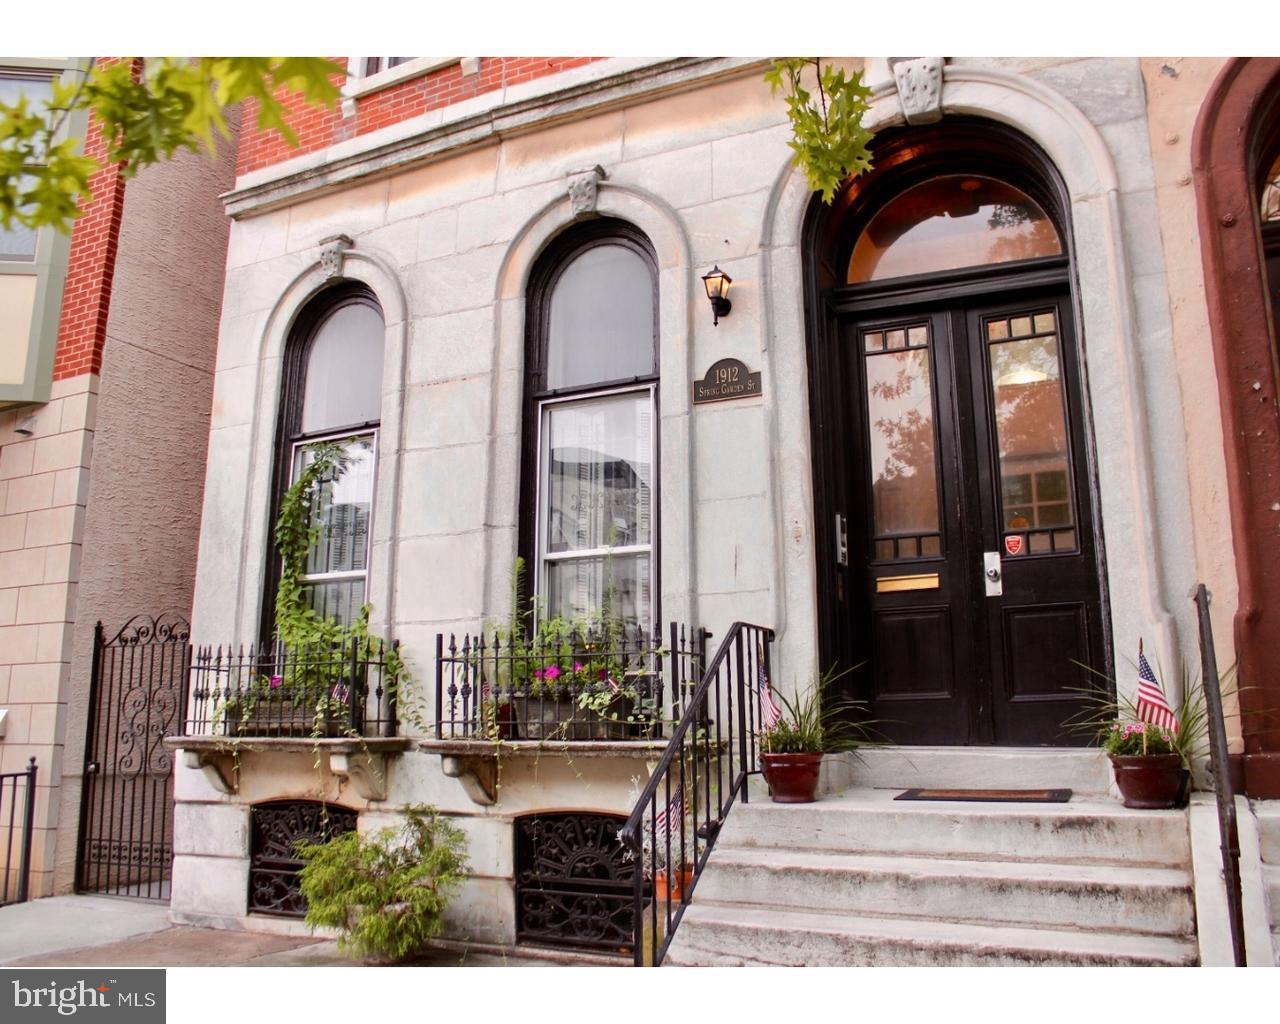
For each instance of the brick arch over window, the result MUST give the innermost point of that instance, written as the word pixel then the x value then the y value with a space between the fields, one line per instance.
pixel 1240 113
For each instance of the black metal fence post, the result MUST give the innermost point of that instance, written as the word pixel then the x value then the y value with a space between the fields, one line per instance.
pixel 28 830
pixel 1226 798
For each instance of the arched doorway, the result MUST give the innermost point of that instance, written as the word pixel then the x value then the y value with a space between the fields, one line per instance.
pixel 1236 155
pixel 959 561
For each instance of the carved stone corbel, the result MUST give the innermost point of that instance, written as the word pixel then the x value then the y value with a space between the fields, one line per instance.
pixel 582 190
pixel 218 768
pixel 333 253
pixel 478 774
pixel 367 773
pixel 919 82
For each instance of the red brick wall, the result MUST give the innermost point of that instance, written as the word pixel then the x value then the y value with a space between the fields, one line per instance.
pixel 86 296
pixel 318 128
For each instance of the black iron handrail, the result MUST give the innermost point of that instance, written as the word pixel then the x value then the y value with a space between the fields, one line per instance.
pixel 23 887
pixel 705 767
pixel 1227 828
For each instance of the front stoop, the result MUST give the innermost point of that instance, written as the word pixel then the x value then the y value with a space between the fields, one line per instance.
pixel 859 879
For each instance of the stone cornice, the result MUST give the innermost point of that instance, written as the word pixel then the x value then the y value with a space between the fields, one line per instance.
pixel 438 134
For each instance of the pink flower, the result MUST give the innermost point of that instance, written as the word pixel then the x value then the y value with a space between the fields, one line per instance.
pixel 579 667
pixel 537 673
pixel 552 672
pixel 275 682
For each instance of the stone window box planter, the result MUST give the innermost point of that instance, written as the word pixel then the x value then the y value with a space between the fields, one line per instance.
pixel 363 762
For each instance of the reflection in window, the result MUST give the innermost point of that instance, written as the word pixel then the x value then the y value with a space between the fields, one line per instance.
pixel 337 566
pixel 1270 206
pixel 1031 429
pixel 952 222
pixel 904 483
pixel 594 403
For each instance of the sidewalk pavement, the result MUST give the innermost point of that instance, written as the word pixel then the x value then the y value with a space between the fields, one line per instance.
pixel 108 931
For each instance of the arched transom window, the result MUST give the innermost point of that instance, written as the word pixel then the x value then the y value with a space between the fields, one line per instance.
pixel 590 426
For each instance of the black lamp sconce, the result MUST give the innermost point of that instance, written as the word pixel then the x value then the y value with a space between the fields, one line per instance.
pixel 717 283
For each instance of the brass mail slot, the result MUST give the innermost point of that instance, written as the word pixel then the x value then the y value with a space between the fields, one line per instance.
pixel 892 584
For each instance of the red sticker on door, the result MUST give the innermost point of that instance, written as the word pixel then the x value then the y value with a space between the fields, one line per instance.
pixel 1013 544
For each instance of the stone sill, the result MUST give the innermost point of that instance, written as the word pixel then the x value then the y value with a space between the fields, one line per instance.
pixel 362 762
pixel 474 763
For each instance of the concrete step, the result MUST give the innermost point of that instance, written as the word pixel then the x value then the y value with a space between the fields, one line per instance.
pixel 1080 770
pixel 1104 898
pixel 723 936
pixel 1083 831
pixel 1268 814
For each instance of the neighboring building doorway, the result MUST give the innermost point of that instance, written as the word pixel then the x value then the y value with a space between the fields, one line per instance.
pixel 962 586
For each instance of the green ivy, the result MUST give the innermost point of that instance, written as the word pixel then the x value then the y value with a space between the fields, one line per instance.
pixel 385 892
pixel 828 138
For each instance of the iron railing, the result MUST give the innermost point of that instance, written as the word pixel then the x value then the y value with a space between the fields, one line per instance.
pixel 704 769
pixel 15 884
pixel 1225 791
pixel 270 690
pixel 582 685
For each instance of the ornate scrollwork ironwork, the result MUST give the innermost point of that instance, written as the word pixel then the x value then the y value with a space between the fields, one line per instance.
pixel 274 886
pixel 165 628
pixel 574 882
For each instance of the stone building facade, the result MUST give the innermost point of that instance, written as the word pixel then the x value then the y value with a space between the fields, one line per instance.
pixel 444 210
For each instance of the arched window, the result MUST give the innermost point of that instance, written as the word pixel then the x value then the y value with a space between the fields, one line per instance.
pixel 1269 216
pixel 333 392
pixel 590 457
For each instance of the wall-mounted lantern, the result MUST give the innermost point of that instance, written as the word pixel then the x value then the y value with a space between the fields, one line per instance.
pixel 717 283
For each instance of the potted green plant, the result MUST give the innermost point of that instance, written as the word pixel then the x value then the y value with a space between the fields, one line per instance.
pixel 812 725
pixel 1151 763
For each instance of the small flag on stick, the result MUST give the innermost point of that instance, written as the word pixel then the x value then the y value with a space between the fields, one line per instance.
pixel 674 811
pixel 1152 706
pixel 770 713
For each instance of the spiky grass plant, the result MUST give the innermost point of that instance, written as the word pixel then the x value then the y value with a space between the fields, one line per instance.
pixel 816 722
pixel 1104 712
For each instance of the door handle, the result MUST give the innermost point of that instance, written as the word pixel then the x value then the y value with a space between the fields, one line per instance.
pixel 992 571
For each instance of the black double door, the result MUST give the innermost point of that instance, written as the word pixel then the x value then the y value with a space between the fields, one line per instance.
pixel 968 577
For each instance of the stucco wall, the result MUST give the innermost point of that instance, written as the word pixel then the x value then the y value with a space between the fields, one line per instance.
pixel 146 482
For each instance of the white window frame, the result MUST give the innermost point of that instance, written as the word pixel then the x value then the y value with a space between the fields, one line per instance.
pixel 295 463
pixel 547 558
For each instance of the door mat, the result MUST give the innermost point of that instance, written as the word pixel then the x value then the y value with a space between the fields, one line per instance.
pixel 998 796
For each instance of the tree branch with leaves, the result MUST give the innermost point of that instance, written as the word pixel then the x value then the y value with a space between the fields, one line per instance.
pixel 828 138
pixel 147 110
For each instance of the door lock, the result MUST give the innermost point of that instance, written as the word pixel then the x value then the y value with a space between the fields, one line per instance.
pixel 992 570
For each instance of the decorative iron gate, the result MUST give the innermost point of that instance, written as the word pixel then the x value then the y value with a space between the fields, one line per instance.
pixel 574 882
pixel 16 828
pixel 136 695
pixel 274 887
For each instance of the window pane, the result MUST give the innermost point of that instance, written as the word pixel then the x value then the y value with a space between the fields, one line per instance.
pixel 16 242
pixel 900 410
pixel 1035 469
pixel 1271 192
pixel 344 370
pixel 342 511
pixel 602 319
pixel 597 473
pixel 952 222
pixel 579 587
pixel 339 600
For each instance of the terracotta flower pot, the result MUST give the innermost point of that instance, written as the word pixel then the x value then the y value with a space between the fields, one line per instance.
pixel 1153 782
pixel 792 778
pixel 671 886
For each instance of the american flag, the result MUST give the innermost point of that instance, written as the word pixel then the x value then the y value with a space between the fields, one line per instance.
pixel 340 692
pixel 770 713
pixel 674 811
pixel 1152 706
